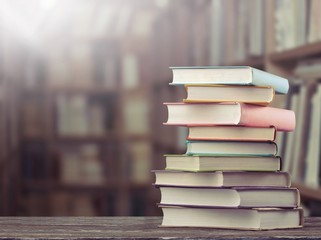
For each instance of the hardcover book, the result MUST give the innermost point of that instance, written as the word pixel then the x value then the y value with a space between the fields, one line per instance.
pixel 222 179
pixel 232 218
pixel 209 114
pixel 229 75
pixel 249 197
pixel 220 148
pixel 231 133
pixel 229 93
pixel 222 163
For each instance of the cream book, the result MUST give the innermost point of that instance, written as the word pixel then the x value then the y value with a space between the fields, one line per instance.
pixel 232 218
pixel 222 179
pixel 231 133
pixel 246 197
pixel 227 148
pixel 212 114
pixel 230 75
pixel 222 163
pixel 229 93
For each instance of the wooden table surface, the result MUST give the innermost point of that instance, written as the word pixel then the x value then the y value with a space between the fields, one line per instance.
pixel 134 227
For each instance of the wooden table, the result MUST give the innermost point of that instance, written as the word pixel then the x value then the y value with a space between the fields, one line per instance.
pixel 134 227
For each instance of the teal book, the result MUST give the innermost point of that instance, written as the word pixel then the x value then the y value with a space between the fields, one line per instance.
pixel 228 148
pixel 229 75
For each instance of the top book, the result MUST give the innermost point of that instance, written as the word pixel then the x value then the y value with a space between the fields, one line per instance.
pixel 230 75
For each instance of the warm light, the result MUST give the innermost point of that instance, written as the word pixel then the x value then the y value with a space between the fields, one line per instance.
pixel 48 4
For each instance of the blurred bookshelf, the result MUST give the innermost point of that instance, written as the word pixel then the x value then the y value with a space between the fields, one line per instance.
pixel 81 99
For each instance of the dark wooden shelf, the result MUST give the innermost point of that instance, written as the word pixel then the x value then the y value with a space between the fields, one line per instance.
pixel 167 145
pixel 83 90
pixel 108 185
pixel 308 192
pixel 296 54
pixel 136 137
pixel 33 137
pixel 135 228
pixel 8 159
pixel 87 138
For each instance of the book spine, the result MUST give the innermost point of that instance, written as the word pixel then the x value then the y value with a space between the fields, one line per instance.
pixel 256 116
pixel 261 78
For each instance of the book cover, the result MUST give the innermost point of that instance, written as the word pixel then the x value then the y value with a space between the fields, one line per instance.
pixel 230 75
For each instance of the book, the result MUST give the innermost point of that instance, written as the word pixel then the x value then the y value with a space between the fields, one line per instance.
pixel 222 163
pixel 230 197
pixel 220 148
pixel 231 133
pixel 233 218
pixel 308 69
pixel 209 114
pixel 229 75
pixel 222 178
pixel 257 27
pixel 229 93
pixel 312 161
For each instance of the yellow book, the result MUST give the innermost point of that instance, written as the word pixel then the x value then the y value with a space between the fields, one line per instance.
pixel 229 93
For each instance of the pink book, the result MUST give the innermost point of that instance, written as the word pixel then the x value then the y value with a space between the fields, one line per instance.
pixel 209 114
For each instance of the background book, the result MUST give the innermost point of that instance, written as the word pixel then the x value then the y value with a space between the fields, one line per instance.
pixel 312 161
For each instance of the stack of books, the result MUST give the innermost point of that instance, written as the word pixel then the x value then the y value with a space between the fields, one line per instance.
pixel 231 175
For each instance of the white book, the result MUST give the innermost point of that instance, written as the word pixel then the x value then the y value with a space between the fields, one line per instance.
pixel 235 218
pixel 314 21
pixel 216 32
pixel 130 71
pixel 237 197
pixel 231 75
pixel 257 28
pixel 301 22
pixel 299 132
pixel 312 167
pixel 287 159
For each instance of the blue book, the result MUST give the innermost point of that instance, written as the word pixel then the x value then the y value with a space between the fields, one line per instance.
pixel 229 75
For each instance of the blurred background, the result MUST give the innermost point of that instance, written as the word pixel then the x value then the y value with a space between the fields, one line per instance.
pixel 82 86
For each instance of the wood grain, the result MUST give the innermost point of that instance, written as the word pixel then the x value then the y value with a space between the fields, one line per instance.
pixel 134 227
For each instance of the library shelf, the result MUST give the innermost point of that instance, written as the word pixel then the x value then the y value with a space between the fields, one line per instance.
pixel 171 147
pixel 175 39
pixel 298 53
pixel 99 188
pixel 84 90
pixel 136 137
pixel 308 192
pixel 107 137
pixel 33 137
